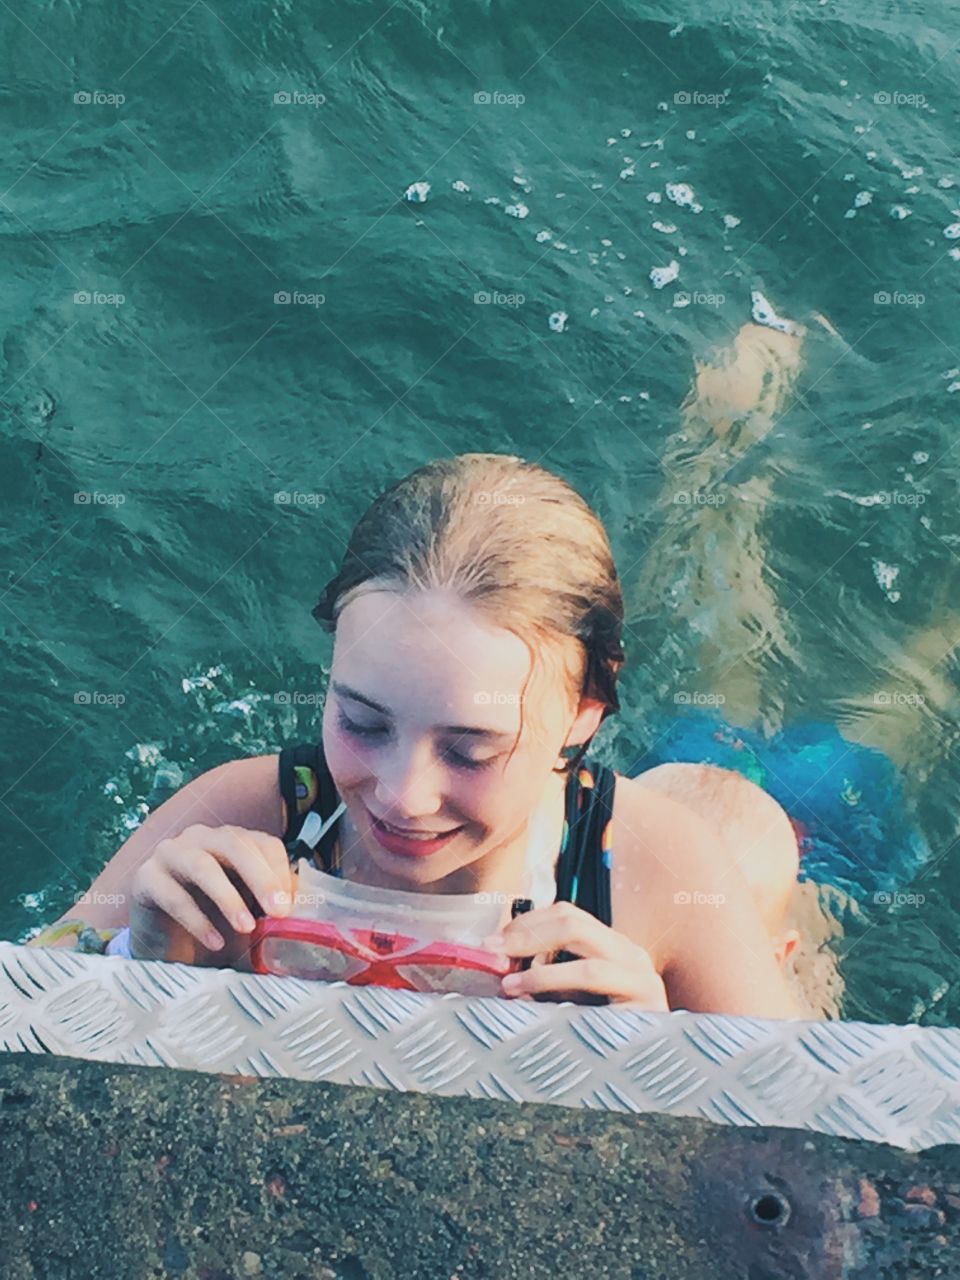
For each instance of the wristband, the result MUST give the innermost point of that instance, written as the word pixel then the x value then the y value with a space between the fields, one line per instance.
pixel 119 944
pixel 86 939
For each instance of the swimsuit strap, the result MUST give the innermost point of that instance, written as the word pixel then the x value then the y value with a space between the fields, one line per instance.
pixel 307 787
pixel 583 870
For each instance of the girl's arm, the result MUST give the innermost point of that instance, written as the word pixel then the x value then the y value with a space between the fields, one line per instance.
pixel 242 793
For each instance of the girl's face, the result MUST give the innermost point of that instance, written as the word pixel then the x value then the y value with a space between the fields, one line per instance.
pixel 422 712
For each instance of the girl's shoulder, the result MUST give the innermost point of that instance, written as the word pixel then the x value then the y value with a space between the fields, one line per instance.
pixel 649 820
pixel 661 854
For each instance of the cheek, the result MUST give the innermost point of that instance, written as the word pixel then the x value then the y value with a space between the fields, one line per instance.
pixel 350 759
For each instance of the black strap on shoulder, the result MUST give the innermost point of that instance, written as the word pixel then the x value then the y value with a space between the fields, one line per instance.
pixel 583 856
pixel 290 758
pixel 606 788
pixel 582 860
pixel 324 803
pixel 567 864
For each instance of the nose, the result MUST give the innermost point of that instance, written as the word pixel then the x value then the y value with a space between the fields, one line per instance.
pixel 408 785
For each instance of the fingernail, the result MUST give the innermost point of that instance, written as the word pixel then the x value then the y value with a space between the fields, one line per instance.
pixel 243 921
pixel 212 941
pixel 512 982
pixel 495 942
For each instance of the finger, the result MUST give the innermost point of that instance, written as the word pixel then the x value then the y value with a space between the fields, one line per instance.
pixel 203 873
pixel 599 977
pixel 274 853
pixel 154 889
pixel 249 854
pixel 562 927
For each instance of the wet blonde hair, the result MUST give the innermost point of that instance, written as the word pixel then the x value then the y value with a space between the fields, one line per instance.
pixel 512 540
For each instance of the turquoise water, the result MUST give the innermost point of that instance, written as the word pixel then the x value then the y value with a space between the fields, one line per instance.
pixel 818 143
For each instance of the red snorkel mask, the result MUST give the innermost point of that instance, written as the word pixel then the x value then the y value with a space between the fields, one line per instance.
pixel 362 935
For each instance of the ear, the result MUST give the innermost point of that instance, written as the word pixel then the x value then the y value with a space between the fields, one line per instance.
pixel 586 722
pixel 786 946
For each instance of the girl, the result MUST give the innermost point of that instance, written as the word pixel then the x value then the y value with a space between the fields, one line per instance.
pixel 477 620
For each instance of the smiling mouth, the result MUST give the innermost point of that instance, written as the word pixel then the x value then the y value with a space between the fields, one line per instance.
pixel 414 835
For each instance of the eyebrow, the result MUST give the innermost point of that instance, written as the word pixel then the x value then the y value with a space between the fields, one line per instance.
pixel 344 691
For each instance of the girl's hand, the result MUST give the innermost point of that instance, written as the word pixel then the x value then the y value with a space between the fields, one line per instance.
pixel 611 965
pixel 193 897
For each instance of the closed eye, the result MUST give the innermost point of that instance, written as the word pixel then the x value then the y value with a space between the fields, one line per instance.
pixel 373 731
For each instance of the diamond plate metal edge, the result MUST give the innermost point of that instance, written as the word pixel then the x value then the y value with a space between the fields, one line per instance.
pixel 899 1085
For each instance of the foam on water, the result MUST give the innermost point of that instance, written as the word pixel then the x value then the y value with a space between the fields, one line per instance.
pixel 661 276
pixel 417 192
pixel 763 313
pixel 886 575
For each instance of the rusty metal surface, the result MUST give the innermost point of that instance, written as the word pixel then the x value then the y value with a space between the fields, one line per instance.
pixel 133 1173
pixel 898 1085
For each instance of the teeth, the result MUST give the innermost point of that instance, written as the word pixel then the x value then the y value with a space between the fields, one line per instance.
pixel 407 835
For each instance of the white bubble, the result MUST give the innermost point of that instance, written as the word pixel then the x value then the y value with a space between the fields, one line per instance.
pixel 459 185
pixel 683 195
pixel 886 575
pixel 417 192
pixel 871 500
pixel 730 221
pixel 517 210
pixel 764 313
pixel 558 321
pixel 661 276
